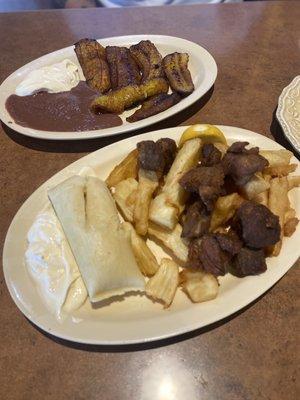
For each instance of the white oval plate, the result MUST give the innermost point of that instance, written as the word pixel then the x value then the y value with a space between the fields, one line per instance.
pixel 288 112
pixel 136 319
pixel 201 64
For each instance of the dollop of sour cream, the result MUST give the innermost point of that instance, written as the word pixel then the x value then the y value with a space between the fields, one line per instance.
pixel 52 266
pixel 51 263
pixel 55 78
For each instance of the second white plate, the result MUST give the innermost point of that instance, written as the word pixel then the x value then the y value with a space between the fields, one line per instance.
pixel 201 64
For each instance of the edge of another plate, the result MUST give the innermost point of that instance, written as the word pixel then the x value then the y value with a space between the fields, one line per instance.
pixel 287 114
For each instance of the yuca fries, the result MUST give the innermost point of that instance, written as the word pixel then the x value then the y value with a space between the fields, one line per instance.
pixel 127 168
pixel 290 226
pixel 277 157
pixel 143 255
pixel 171 239
pixel 262 198
pixel 280 170
pixel 225 208
pixel 148 183
pixel 278 204
pixel 124 195
pixel 198 285
pixel 293 181
pixel 162 286
pixel 133 190
pixel 255 186
pixel 168 205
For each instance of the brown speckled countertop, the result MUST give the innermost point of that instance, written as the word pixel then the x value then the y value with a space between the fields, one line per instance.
pixel 250 356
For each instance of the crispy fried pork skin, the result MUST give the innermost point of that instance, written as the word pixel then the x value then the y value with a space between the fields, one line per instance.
pixel 229 242
pixel 176 69
pixel 210 155
pixel 241 164
pixel 207 181
pixel 206 254
pixel 155 105
pixel 118 100
pixel 92 59
pixel 249 262
pixel 123 68
pixel 150 156
pixel 196 222
pixel 258 226
pixel 148 59
pixel 169 149
pixel 156 156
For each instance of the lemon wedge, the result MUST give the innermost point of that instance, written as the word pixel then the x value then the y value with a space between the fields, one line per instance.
pixel 207 133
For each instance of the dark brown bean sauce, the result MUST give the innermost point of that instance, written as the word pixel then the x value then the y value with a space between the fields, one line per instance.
pixel 66 111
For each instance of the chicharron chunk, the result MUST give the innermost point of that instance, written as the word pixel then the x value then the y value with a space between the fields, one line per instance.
pixel 258 226
pixel 196 222
pixel 249 262
pixel 241 164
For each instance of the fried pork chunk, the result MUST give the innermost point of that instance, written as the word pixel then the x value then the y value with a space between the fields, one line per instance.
pixel 241 164
pixel 176 69
pixel 206 181
pixel 156 156
pixel 148 59
pixel 154 105
pixel 210 155
pixel 249 262
pixel 196 222
pixel 257 225
pixel 123 68
pixel 92 59
pixel 229 242
pixel 206 254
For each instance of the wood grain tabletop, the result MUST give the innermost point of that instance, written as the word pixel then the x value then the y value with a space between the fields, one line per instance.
pixel 251 355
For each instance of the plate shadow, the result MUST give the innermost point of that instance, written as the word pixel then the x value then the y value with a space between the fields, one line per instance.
pixel 89 145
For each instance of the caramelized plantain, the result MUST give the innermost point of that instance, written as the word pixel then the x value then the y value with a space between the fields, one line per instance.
pixel 91 56
pixel 148 59
pixel 154 105
pixel 123 68
pixel 118 100
pixel 176 69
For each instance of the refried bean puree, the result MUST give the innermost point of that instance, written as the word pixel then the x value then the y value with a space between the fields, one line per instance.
pixel 65 111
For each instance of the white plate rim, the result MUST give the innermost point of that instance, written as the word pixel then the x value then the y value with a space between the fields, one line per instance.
pixel 75 166
pixel 286 95
pixel 211 71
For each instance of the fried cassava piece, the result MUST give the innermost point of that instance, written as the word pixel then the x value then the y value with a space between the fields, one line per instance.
pixel 148 59
pixel 92 58
pixel 175 66
pixel 155 105
pixel 122 67
pixel 118 100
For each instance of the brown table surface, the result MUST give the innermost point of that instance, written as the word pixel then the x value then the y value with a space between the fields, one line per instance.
pixel 251 355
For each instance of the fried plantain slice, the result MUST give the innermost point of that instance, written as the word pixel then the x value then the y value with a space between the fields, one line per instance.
pixel 118 100
pixel 154 105
pixel 148 59
pixel 176 69
pixel 123 68
pixel 91 56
